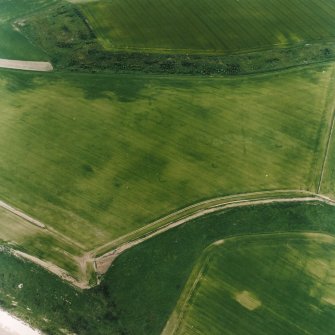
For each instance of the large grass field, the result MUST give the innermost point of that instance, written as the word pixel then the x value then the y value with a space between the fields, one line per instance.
pixel 209 26
pixel 142 288
pixel 270 284
pixel 99 156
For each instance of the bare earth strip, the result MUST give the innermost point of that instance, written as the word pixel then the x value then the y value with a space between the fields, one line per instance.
pixel 25 65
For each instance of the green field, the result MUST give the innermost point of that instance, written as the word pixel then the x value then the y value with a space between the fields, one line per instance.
pixel 72 36
pixel 142 288
pixel 209 26
pixel 118 137
pixel 12 43
pixel 270 284
pixel 48 246
pixel 98 156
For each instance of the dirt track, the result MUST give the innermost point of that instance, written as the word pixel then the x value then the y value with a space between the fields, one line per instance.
pixel 51 267
pixel 25 65
pixel 104 262
pixel 189 210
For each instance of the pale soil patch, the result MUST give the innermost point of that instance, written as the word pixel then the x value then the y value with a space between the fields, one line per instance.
pixel 317 268
pixel 219 242
pixel 10 325
pixel 103 264
pixel 324 294
pixel 66 332
pixel 25 65
pixel 328 295
pixel 329 300
pixel 321 237
pixel 247 300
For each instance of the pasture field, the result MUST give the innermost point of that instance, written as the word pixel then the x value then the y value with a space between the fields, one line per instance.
pixel 267 284
pixel 142 288
pixel 209 26
pixel 99 156
pixel 12 43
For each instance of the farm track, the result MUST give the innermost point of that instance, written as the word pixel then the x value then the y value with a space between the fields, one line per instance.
pixel 102 264
pixel 166 220
pixel 25 65
pixel 51 267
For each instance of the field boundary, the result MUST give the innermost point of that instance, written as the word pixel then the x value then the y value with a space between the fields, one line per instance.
pixel 214 52
pixel 103 262
pixel 174 321
pixel 100 264
pixel 327 149
pixel 191 209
